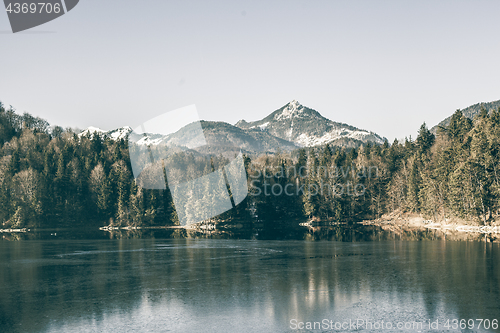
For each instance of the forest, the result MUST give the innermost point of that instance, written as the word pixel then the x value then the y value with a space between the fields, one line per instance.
pixel 51 177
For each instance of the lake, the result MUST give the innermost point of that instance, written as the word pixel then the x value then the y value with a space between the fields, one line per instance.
pixel 217 285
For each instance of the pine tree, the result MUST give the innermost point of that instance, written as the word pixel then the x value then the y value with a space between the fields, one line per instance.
pixel 425 139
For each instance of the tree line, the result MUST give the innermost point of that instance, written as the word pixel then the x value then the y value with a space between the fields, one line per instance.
pixel 52 177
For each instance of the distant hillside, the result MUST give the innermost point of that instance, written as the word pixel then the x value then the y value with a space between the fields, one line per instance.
pixel 470 112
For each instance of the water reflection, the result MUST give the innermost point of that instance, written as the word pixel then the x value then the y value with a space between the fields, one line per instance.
pixel 262 230
pixel 191 285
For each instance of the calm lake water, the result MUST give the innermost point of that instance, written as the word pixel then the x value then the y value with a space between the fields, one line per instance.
pixel 208 285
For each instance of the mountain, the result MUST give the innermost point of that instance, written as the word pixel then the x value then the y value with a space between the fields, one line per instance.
pixel 286 129
pixel 223 138
pixel 91 131
pixel 117 134
pixel 219 137
pixel 470 112
pixel 306 127
pixel 123 133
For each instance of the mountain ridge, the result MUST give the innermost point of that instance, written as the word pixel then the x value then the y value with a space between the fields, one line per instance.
pixel 469 112
pixel 306 127
pixel 288 128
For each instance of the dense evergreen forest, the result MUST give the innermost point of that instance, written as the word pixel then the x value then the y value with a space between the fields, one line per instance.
pixel 51 177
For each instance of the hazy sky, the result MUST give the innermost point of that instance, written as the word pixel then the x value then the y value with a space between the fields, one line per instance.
pixel 384 66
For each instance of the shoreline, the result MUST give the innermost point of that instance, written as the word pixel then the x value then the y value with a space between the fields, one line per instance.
pixel 449 228
pixel 14 230
pixel 400 224
pixel 416 221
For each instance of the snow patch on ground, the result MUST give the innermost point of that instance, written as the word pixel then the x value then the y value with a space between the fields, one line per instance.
pixel 289 133
pixel 263 126
pixel 148 141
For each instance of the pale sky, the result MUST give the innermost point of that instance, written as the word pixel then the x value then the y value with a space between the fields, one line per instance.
pixel 383 66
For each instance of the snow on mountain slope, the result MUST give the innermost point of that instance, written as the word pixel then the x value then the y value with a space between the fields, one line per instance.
pixel 92 130
pixel 307 127
pixel 287 128
pixel 293 110
pixel 120 133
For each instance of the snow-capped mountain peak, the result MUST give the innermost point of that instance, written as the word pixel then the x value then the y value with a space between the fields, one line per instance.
pixel 92 130
pixel 125 133
pixel 116 134
pixel 307 127
pixel 120 133
pixel 287 128
pixel 294 108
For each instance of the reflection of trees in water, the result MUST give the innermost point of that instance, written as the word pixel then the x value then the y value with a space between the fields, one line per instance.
pixel 80 281
pixel 343 232
pixel 359 232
